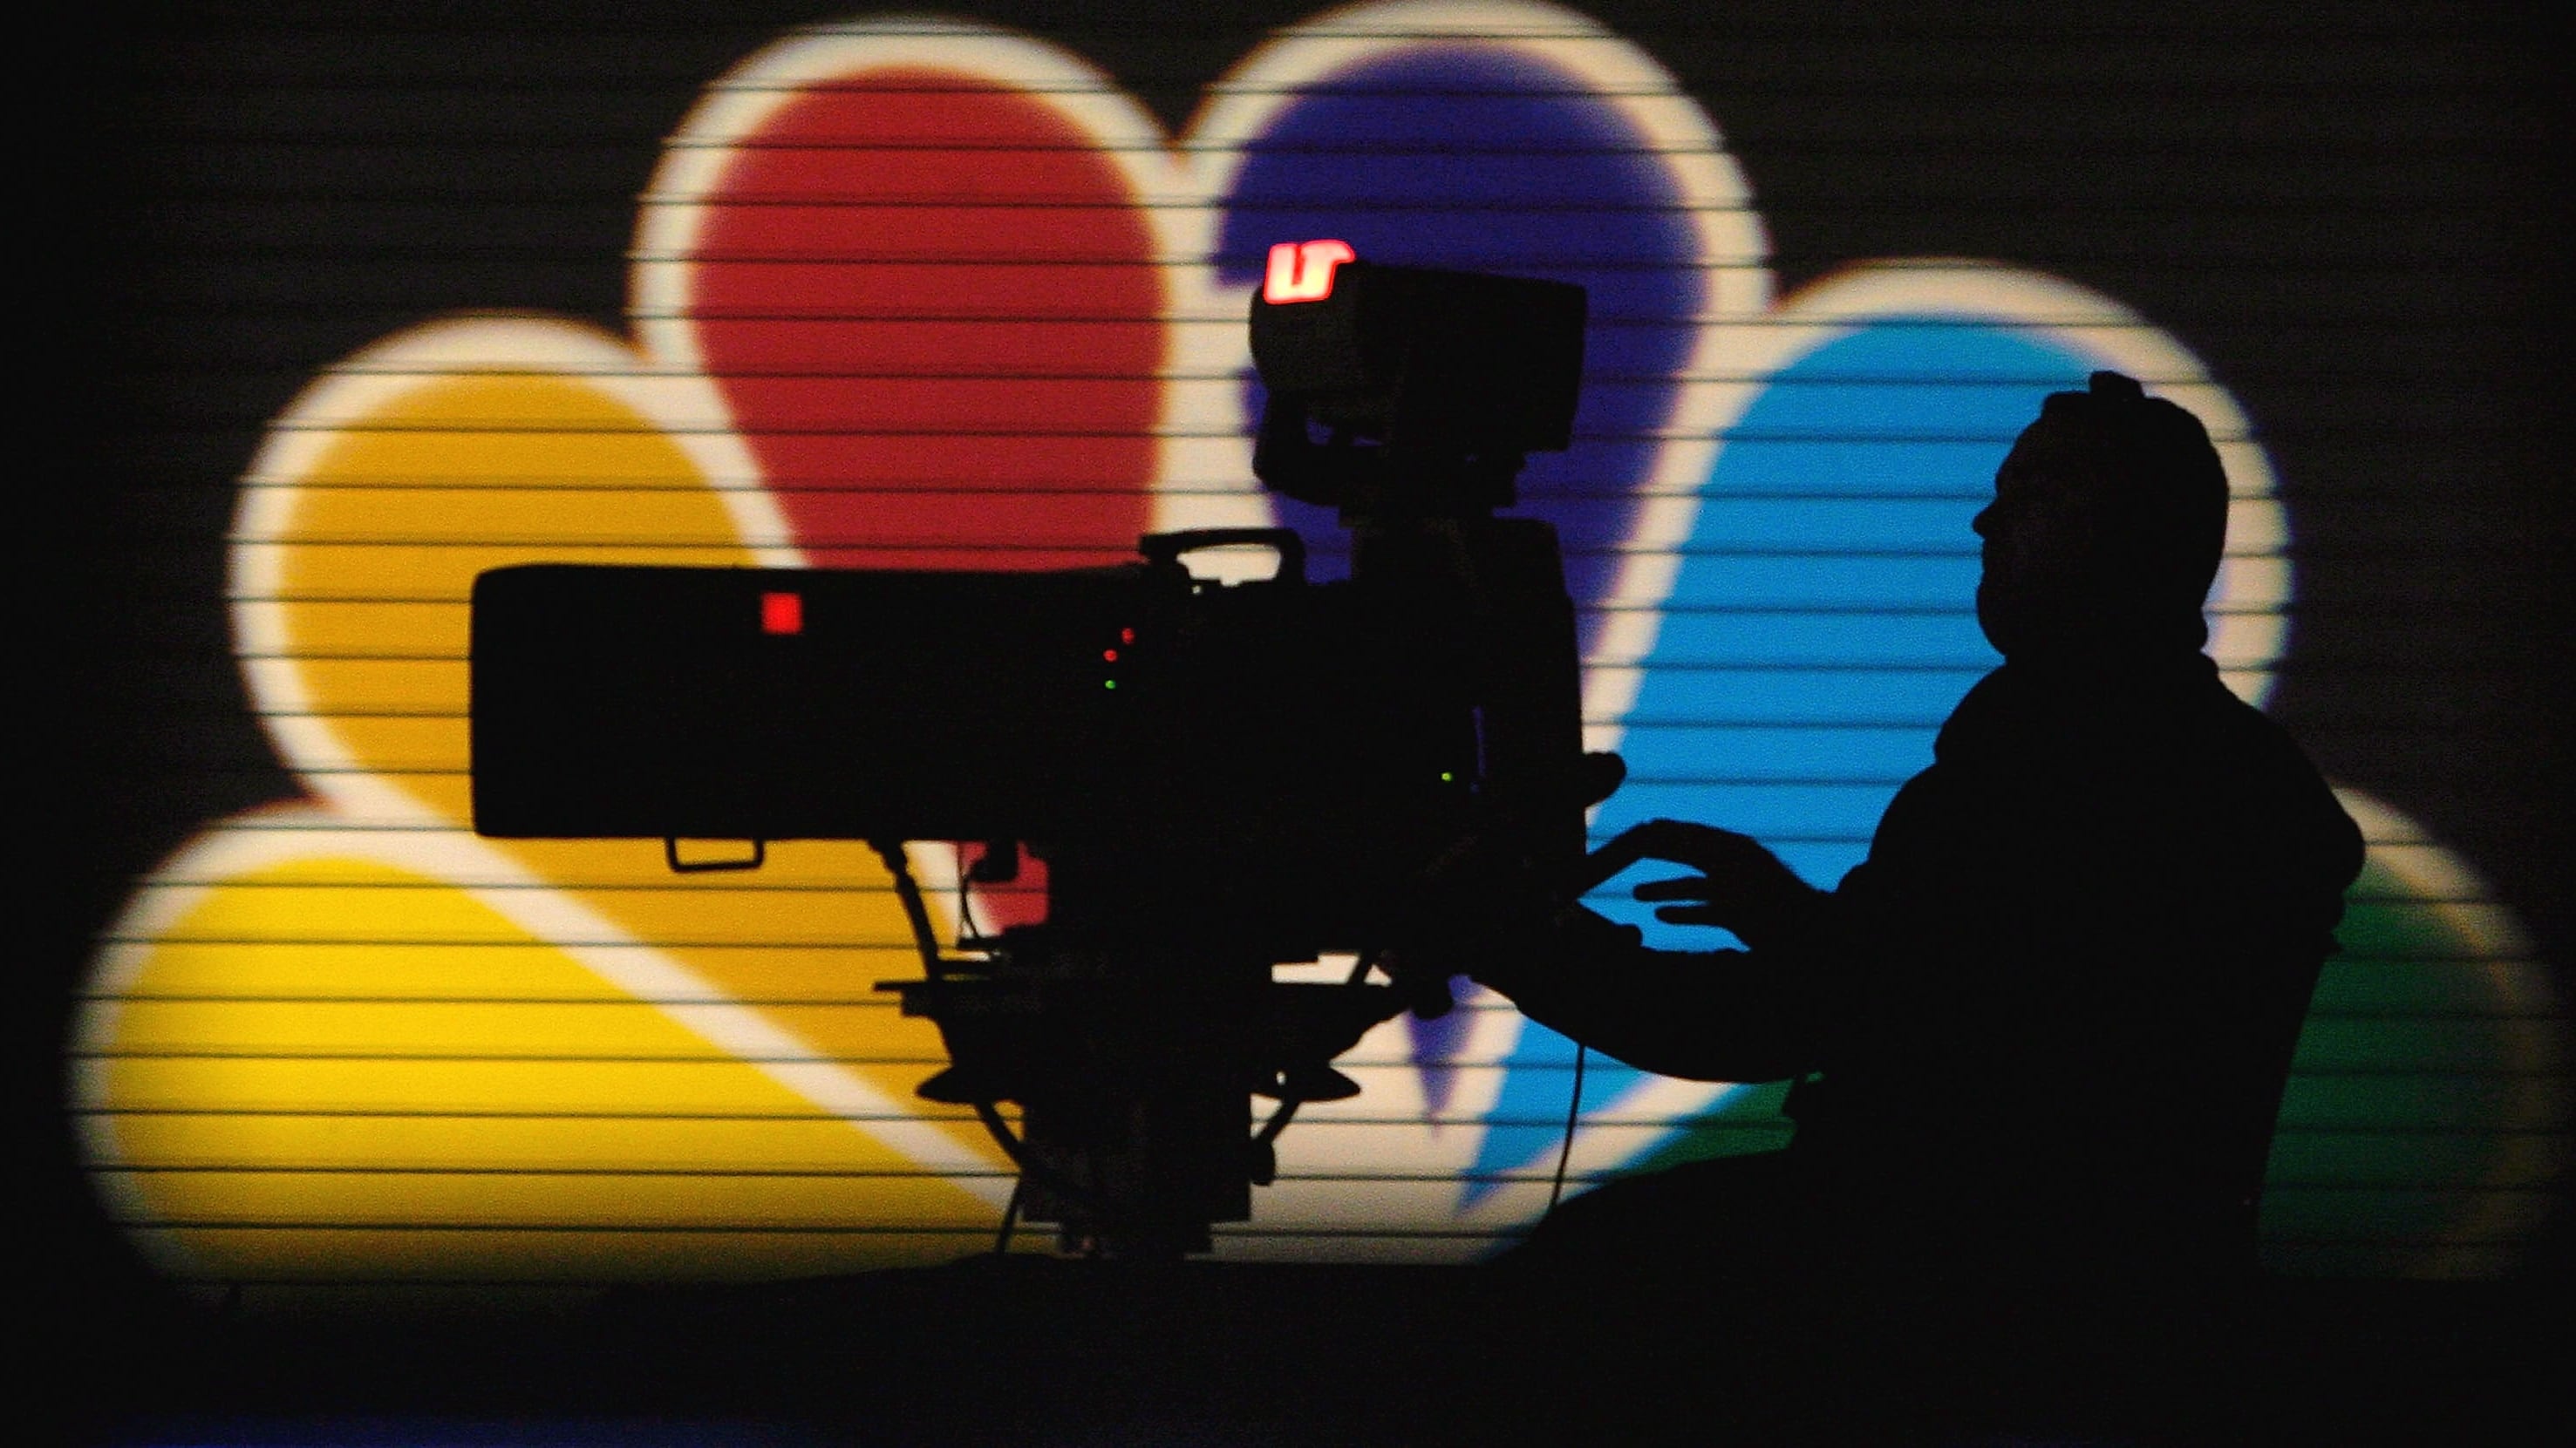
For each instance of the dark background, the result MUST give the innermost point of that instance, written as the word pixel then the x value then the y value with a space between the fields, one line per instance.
pixel 2353 213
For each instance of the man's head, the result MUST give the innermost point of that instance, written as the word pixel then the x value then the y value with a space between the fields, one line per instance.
pixel 2109 517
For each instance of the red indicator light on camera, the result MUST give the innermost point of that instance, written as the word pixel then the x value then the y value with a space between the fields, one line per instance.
pixel 782 613
pixel 1126 635
pixel 1302 271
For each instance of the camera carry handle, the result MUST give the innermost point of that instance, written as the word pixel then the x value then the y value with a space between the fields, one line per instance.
pixel 1165 549
pixel 671 856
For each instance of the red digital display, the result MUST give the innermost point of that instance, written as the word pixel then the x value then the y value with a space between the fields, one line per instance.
pixel 782 613
pixel 1302 271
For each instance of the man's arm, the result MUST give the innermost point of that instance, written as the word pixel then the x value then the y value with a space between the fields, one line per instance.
pixel 1725 1015
pixel 1736 1015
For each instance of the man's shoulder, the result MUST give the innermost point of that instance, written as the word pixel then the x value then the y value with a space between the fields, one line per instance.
pixel 2166 705
pixel 2165 741
pixel 2249 743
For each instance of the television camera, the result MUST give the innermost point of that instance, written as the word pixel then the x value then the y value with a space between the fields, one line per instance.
pixel 1218 776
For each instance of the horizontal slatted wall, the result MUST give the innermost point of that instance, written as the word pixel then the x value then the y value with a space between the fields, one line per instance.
pixel 896 293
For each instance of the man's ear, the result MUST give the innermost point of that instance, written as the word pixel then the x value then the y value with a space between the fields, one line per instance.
pixel 1602 774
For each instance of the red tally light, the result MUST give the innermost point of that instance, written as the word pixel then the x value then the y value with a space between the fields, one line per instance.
pixel 782 613
pixel 1302 271
pixel 1109 654
pixel 1126 635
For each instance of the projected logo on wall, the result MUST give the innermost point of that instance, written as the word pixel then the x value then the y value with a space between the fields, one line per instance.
pixel 927 294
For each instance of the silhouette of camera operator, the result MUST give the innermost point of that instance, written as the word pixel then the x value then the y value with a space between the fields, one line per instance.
pixel 2044 1028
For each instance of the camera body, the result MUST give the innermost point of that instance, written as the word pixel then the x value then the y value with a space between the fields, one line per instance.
pixel 1265 756
pixel 1219 776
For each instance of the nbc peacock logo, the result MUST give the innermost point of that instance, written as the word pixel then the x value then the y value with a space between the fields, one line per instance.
pixel 916 293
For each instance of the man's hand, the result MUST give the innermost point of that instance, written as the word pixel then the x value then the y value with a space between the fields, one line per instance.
pixel 1741 886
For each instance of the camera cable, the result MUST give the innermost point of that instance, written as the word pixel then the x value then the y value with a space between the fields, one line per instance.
pixel 1010 1217
pixel 916 912
pixel 1573 1115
